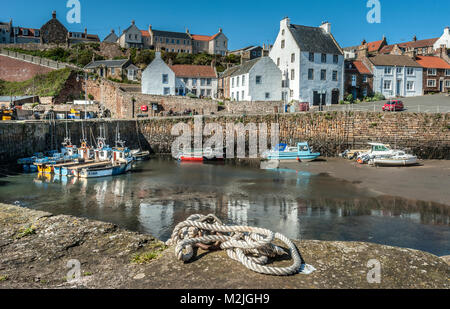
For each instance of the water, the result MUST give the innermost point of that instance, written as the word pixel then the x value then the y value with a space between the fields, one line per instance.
pixel 161 193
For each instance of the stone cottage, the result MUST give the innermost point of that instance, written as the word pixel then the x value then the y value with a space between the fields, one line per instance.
pixel 114 69
pixel 54 32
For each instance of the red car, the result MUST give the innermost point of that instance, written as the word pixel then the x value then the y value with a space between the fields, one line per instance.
pixel 393 106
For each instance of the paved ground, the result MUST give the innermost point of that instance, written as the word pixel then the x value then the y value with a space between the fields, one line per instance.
pixel 438 103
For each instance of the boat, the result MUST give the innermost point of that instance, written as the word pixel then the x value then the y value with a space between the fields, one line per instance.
pixel 283 152
pixel 200 155
pixel 399 159
pixel 140 155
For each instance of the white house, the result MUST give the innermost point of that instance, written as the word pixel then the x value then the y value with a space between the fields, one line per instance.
pixel 396 75
pixel 200 80
pixel 256 80
pixel 443 40
pixel 312 63
pixel 158 78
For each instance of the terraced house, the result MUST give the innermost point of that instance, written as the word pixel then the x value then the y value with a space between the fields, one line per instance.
pixel 179 42
pixel 312 63
pixel 436 74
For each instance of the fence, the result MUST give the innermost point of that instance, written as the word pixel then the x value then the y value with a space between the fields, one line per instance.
pixel 38 60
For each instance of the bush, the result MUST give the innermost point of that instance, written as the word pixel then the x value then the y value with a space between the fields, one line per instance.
pixel 350 98
pixel 379 97
pixel 191 95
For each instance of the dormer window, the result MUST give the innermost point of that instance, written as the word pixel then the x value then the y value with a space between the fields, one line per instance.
pixel 25 31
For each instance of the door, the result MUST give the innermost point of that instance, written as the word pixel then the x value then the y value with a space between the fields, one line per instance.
pixel 316 98
pixel 335 96
pixel 399 88
pixel 441 86
pixel 324 99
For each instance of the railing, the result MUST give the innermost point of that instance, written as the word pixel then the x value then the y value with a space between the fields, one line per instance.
pixel 38 60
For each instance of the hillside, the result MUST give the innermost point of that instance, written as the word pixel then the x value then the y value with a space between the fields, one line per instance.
pixel 45 85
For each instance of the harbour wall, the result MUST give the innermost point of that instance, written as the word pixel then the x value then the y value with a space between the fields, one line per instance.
pixel 425 135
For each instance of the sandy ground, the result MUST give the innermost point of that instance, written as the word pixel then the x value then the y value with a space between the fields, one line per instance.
pixel 428 182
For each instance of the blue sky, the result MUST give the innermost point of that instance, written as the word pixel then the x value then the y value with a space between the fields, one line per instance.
pixel 245 23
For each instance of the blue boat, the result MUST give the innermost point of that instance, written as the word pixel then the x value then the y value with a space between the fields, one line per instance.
pixel 301 153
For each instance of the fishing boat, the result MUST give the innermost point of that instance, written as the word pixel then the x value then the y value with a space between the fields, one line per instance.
pixel 200 155
pixel 399 159
pixel 140 155
pixel 283 152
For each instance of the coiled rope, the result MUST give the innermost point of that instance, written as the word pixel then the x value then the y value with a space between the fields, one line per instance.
pixel 251 246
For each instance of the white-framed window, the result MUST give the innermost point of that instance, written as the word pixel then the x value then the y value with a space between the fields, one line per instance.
pixel 364 79
pixel 237 81
pixel 278 61
pixel 166 91
pixel 243 94
pixel 410 86
pixel 410 71
pixel 292 58
pixel 202 82
pixel 208 81
pixel 267 95
pixel 335 76
pixel 335 59
pixel 165 79
pixel 387 85
pixel 323 74
pixel 194 82
pixel 208 92
pixel 258 79
pixel 283 43
pixel 399 70
pixel 431 83
pixel 324 58
pixel 447 83
pixel 432 72
pixel 292 74
pixel 354 78
pixel 311 74
pixel 113 71
pixel 387 71
pixel 311 57
pixel 232 82
pixel 447 72
pixel 243 80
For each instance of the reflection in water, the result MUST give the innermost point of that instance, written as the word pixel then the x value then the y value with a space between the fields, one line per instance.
pixel 300 205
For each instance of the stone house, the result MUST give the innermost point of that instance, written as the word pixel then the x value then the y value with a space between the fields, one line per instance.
pixel 312 63
pixel 395 75
pixel 358 79
pixel 111 38
pixel 436 74
pixel 216 44
pixel 177 42
pixel 372 47
pixel 82 37
pixel 158 78
pixel 200 80
pixel 54 32
pixel 224 83
pixel 114 69
pixel 131 37
pixel 256 80
pixel 6 32
pixel 250 52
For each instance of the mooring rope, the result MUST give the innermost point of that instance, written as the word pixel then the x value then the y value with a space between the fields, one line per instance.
pixel 251 246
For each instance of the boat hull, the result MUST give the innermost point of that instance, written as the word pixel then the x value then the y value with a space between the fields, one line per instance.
pixel 105 171
pixel 395 162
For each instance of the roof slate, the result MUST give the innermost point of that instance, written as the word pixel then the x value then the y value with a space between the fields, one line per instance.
pixel 107 63
pixel 314 39
pixel 170 34
pixel 393 60
pixel 184 70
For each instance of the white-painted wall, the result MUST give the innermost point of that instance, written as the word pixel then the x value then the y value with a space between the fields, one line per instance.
pixel 443 40
pixel 300 88
pixel 152 77
pixel 189 85
pixel 399 89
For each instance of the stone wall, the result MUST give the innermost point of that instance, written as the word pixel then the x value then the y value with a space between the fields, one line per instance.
pixel 260 107
pixel 426 135
pixel 14 70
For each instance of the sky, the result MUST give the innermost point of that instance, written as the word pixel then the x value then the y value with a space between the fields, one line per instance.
pixel 244 23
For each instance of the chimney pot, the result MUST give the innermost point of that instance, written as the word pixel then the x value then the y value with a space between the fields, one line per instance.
pixel 133 22
pixel 54 14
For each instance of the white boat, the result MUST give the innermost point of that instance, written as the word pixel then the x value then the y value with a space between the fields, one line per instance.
pixel 399 159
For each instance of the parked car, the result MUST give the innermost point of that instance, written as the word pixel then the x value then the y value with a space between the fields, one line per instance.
pixel 393 106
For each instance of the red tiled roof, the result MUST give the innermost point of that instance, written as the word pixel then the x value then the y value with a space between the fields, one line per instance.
pixel 374 46
pixel 430 62
pixel 145 33
pixel 185 70
pixel 413 44
pixel 198 37
pixel 361 67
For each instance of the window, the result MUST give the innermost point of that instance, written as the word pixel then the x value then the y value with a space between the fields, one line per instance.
pixel 335 76
pixel 447 72
pixel 185 80
pixel 365 92
pixel 283 43
pixel 208 81
pixel 243 95
pixel 432 72
pixel 387 85
pixel 208 92
pixel 165 79
pixel 113 70
pixel 431 83
pixel 202 92
pixel 324 58
pixel 292 58
pixel 243 80
pixel 399 70
pixel 278 62
pixel 166 91
pixel 447 83
pixel 410 86
pixel 292 74
pixel 335 59
pixel 194 82
pixel 353 78
pixel 178 42
pixel 202 82
pixel 282 32
pixel 410 71
pixel 258 80
pixel 237 81
pixel 25 31
pixel 232 82
pixel 323 75
pixel 267 95
pixel 311 57
pixel 364 79
pixel 311 74
pixel 387 71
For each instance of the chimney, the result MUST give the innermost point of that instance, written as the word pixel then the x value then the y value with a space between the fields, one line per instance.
pixel 133 22
pixel 415 38
pixel 54 14
pixel 112 31
pixel 285 22
pixel 85 30
pixel 187 30
pixel 363 42
pixel 362 52
pixel 326 26
pixel 447 30
pixel 220 30
pixel 149 28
